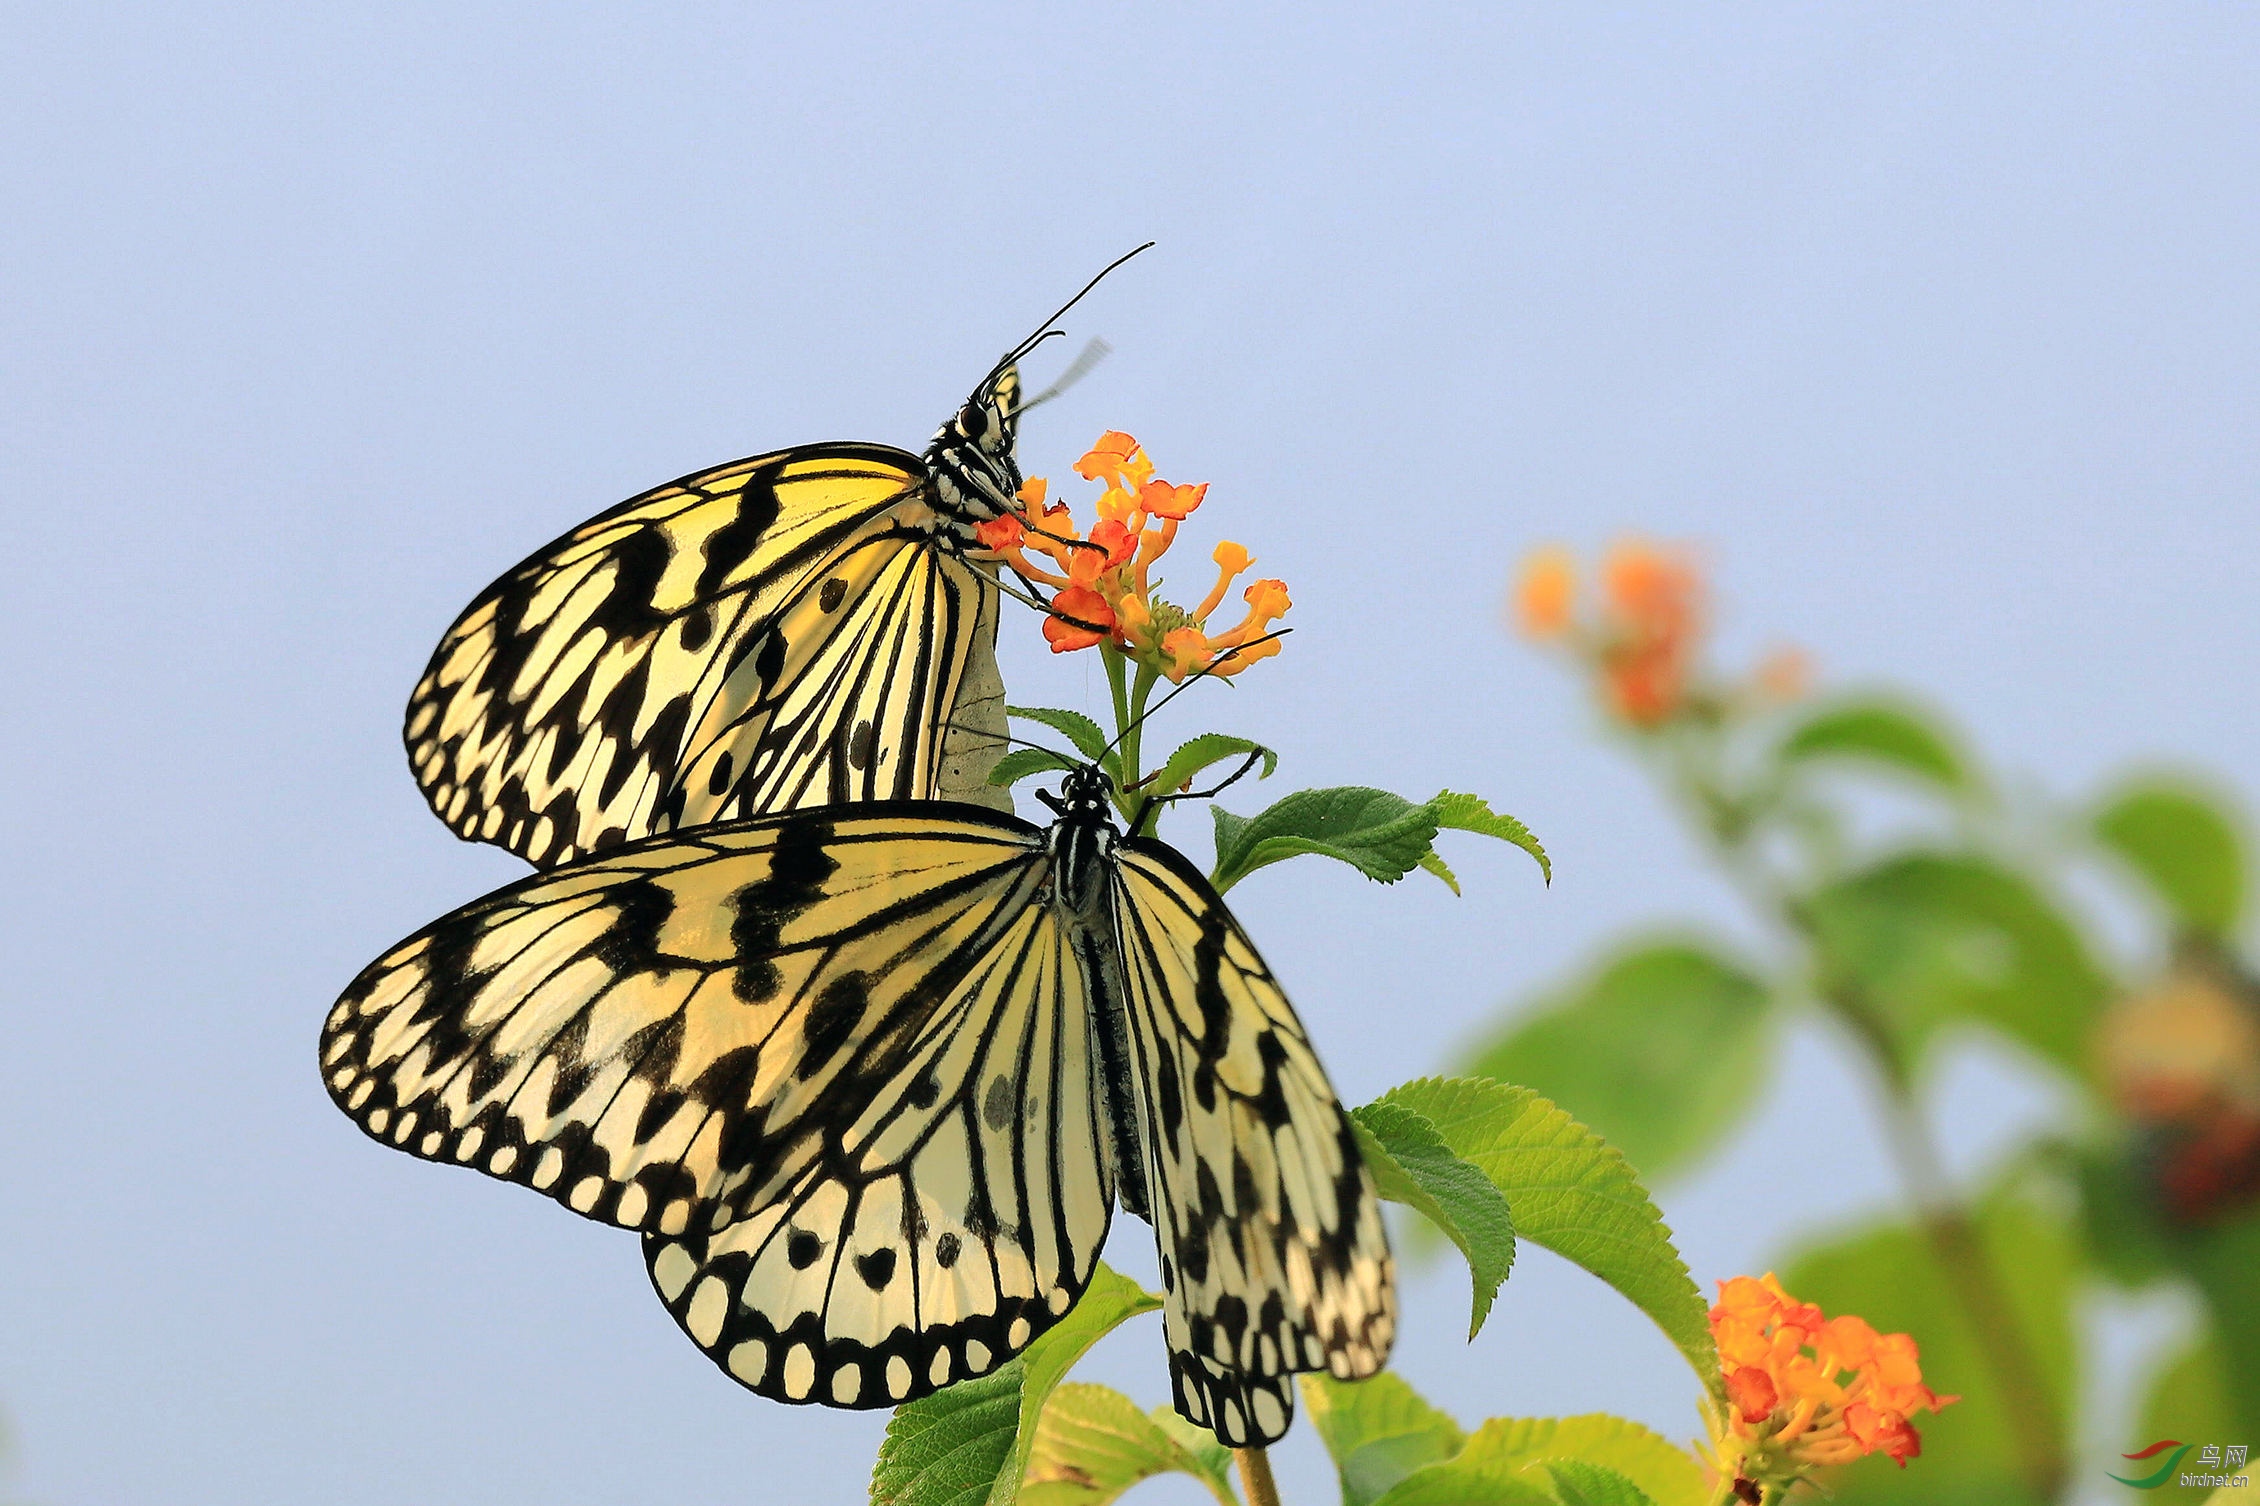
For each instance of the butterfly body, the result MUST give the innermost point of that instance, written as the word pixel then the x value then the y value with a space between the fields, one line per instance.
pixel 870 1079
pixel 780 631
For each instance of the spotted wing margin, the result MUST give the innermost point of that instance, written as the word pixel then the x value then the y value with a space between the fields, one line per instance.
pixel 561 712
pixel 955 1218
pixel 1273 1257
pixel 682 1032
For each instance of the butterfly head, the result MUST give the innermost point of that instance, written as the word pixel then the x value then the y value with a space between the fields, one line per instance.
pixel 971 457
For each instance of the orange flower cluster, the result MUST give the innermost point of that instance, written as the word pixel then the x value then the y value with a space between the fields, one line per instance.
pixel 1651 623
pixel 1102 582
pixel 1644 639
pixel 1804 1391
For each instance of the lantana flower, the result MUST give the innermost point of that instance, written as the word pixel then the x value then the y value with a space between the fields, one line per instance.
pixel 1102 582
pixel 1805 1391
pixel 1643 639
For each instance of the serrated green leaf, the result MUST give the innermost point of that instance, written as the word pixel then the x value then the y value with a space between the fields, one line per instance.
pixel 1078 729
pixel 1093 1444
pixel 1412 1165
pixel 1457 812
pixel 938 1447
pixel 1381 835
pixel 1022 762
pixel 2184 843
pixel 1580 1482
pixel 1664 1049
pixel 1431 863
pixel 1377 1431
pixel 1536 1446
pixel 1573 1194
pixel 947 1449
pixel 1886 733
pixel 1927 939
pixel 1200 753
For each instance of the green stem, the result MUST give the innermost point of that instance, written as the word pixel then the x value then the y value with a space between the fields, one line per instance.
pixel 1255 1476
pixel 1970 1272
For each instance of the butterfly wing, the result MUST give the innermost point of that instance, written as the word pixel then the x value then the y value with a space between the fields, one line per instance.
pixel 967 1221
pixel 1273 1257
pixel 776 632
pixel 692 1029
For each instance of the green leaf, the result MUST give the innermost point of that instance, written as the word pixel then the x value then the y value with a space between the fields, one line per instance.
pixel 2188 1400
pixel 1200 753
pixel 1581 1483
pixel 1378 1431
pixel 2223 1258
pixel 1663 1050
pixel 1412 1165
pixel 1886 733
pixel 947 1449
pixel 1431 863
pixel 1457 812
pixel 1927 939
pixel 1891 1275
pixel 1093 1444
pixel 1594 1460
pixel 970 1442
pixel 1022 762
pixel 1574 1195
pixel 2184 843
pixel 1079 729
pixel 1381 835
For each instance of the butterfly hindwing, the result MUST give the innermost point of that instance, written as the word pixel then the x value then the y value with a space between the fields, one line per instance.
pixel 971 1224
pixel 1273 1255
pixel 672 1035
pixel 688 654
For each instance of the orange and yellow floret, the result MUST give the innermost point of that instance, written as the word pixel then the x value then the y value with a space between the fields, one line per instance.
pixel 1804 1391
pixel 1102 581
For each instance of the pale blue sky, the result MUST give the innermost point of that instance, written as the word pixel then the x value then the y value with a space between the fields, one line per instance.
pixel 1935 326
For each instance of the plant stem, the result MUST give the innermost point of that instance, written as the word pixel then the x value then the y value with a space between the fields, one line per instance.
pixel 1969 1269
pixel 1255 1476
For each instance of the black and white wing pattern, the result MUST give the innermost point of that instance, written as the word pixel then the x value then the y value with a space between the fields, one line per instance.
pixel 695 1029
pixel 969 1222
pixel 869 1077
pixel 777 632
pixel 1273 1255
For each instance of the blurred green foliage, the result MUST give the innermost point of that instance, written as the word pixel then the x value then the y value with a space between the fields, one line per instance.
pixel 1916 907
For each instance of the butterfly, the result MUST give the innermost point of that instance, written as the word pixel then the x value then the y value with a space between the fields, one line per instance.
pixel 786 630
pixel 870 1079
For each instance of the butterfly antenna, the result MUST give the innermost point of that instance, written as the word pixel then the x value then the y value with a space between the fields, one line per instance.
pixel 1095 350
pixel 956 726
pixel 1186 684
pixel 1045 330
pixel 1153 803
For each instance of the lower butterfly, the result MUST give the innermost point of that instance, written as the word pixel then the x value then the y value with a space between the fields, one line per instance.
pixel 871 1079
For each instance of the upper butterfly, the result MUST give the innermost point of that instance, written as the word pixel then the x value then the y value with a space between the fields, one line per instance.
pixel 777 632
pixel 870 1080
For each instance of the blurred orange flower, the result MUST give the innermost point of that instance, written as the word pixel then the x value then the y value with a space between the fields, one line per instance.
pixel 1805 1391
pixel 1547 591
pixel 1654 622
pixel 1102 584
pixel 1643 635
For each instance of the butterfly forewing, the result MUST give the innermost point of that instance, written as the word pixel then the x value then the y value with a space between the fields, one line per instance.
pixel 673 1035
pixel 966 1224
pixel 1273 1255
pixel 685 654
